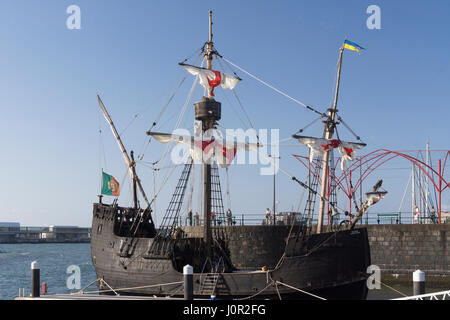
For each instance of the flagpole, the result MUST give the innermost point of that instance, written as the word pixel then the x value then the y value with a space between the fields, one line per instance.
pixel 100 196
pixel 329 130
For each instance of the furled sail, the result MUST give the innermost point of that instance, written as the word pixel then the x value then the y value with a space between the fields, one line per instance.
pixel 319 146
pixel 374 197
pixel 203 148
pixel 210 79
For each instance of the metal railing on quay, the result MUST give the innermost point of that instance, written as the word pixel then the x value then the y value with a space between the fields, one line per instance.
pixel 286 218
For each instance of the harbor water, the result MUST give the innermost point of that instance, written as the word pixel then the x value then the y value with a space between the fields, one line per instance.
pixel 56 261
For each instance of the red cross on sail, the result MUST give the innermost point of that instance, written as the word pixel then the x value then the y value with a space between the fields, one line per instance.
pixel 203 148
pixel 225 155
pixel 372 198
pixel 330 144
pixel 319 146
pixel 211 79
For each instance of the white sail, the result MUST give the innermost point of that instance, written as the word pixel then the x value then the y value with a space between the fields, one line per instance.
pixel 211 79
pixel 347 151
pixel 203 148
pixel 319 146
pixel 374 197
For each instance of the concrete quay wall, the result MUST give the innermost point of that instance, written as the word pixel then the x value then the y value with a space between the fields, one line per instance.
pixel 400 249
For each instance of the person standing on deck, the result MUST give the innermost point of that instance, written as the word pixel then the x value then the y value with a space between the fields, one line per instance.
pixel 416 215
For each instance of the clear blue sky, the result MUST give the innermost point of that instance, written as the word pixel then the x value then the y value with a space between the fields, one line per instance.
pixel 395 95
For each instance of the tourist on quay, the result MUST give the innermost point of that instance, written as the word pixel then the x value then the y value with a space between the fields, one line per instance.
pixel 190 217
pixel 196 219
pixel 433 215
pixel 268 220
pixel 229 217
pixel 213 220
pixel 416 214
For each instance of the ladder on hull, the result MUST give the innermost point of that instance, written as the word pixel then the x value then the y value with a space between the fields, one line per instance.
pixel 211 279
pixel 209 284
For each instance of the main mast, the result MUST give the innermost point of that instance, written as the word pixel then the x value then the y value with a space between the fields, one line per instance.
pixel 208 111
pixel 329 130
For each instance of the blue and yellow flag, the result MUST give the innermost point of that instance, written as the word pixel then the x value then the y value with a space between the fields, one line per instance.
pixel 352 46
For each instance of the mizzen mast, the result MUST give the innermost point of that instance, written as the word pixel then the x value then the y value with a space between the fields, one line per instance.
pixel 129 162
pixel 328 133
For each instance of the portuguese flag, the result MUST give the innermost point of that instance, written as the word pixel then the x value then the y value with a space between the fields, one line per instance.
pixel 110 186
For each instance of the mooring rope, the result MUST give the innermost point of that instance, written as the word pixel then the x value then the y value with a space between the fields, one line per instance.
pixel 391 288
pixel 278 291
pixel 302 291
pixel 131 288
pixel 254 295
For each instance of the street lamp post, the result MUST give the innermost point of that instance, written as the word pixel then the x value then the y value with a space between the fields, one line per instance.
pixel 274 175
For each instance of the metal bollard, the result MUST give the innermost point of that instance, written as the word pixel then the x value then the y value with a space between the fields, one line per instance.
pixel 188 275
pixel 418 282
pixel 35 279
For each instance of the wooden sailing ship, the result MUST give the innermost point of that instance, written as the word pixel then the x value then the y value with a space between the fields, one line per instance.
pixel 297 260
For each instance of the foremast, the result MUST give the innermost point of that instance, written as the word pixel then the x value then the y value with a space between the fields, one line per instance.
pixel 328 134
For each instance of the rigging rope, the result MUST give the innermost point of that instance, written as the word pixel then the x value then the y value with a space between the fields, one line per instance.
pixel 102 150
pixel 277 90
pixel 432 175
pixel 161 113
pixel 299 182
pixel 308 125
pixel 404 193
pixel 163 158
pixel 141 156
pixel 239 100
pixel 191 190
pixel 228 189
pixel 165 181
pixel 342 121
pixel 301 199
pixel 233 107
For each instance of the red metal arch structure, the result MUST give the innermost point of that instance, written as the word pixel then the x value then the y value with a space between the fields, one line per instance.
pixel 366 164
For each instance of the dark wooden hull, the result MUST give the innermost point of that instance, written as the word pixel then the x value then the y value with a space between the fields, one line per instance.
pixel 331 265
